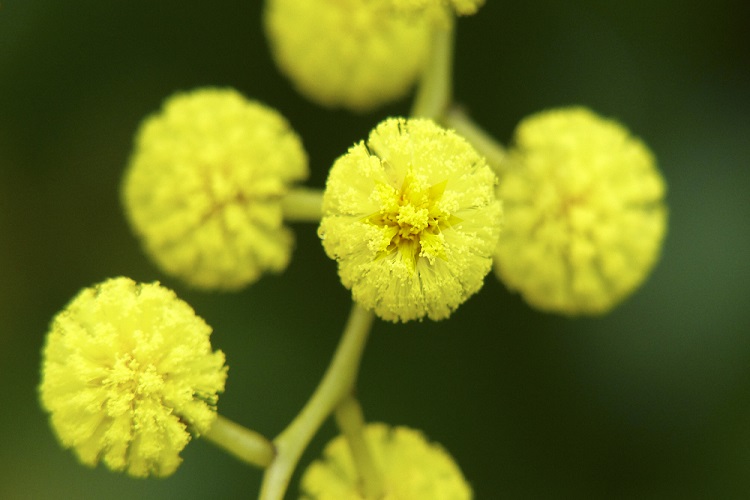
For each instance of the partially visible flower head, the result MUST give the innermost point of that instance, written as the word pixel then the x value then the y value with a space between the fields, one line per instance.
pixel 585 212
pixel 461 7
pixel 412 469
pixel 354 54
pixel 204 186
pixel 412 219
pixel 128 376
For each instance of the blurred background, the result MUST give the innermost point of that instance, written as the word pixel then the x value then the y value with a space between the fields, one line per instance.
pixel 650 401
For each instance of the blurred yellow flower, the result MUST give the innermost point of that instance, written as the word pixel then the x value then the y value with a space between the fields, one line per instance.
pixel 354 54
pixel 128 375
pixel 412 219
pixel 461 7
pixel 585 216
pixel 204 186
pixel 412 469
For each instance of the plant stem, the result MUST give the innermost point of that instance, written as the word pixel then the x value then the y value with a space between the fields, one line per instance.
pixel 435 87
pixel 337 383
pixel 351 421
pixel 245 444
pixel 483 142
pixel 302 204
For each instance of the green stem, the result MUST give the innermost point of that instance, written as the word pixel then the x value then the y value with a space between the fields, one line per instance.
pixel 243 443
pixel 302 204
pixel 483 142
pixel 337 383
pixel 435 87
pixel 351 421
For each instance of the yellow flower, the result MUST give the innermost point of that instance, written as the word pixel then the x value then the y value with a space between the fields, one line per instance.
pixel 204 186
pixel 585 216
pixel 128 375
pixel 461 7
pixel 412 469
pixel 466 7
pixel 412 219
pixel 347 53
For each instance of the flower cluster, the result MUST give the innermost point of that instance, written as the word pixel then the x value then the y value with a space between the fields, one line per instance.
pixel 128 376
pixel 572 218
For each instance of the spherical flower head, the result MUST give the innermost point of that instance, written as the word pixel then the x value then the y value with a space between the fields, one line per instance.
pixel 412 219
pixel 585 216
pixel 460 7
pixel 412 469
pixel 354 54
pixel 204 186
pixel 128 376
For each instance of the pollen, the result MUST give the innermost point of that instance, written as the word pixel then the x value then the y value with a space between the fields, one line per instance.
pixel 412 221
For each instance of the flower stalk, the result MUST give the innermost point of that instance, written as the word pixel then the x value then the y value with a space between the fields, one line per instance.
pixel 242 443
pixel 350 419
pixel 337 383
pixel 302 204
pixel 494 152
pixel 434 93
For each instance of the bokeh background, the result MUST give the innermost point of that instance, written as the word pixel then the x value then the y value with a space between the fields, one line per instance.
pixel 650 401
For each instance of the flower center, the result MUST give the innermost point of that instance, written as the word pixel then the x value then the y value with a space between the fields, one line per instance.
pixel 412 220
pixel 129 382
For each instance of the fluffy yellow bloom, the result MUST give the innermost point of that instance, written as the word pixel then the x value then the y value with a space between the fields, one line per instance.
pixel 412 219
pixel 412 469
pixel 204 186
pixel 128 376
pixel 466 7
pixel 585 215
pixel 461 7
pixel 354 54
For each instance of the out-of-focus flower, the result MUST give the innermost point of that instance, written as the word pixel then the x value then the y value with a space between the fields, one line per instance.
pixel 585 213
pixel 412 469
pixel 356 54
pixel 204 187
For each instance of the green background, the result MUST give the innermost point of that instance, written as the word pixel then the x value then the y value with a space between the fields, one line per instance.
pixel 651 401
